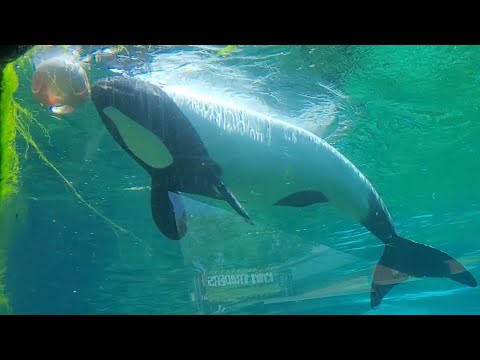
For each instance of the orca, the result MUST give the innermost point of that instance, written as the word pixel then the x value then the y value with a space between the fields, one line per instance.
pixel 197 146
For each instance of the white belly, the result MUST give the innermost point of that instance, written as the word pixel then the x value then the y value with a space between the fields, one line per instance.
pixel 264 160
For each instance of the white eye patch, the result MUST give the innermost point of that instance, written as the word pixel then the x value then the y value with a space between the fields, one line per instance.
pixel 144 144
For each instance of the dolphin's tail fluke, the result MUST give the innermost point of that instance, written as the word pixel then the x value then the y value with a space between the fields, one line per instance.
pixel 404 258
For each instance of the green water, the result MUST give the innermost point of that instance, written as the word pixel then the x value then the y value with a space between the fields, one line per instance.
pixel 406 116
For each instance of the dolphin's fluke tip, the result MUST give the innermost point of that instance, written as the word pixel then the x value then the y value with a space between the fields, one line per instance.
pixel 375 300
pixel 465 277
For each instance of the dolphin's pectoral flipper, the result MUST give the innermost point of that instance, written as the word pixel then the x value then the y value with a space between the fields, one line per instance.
pixel 168 212
pixel 302 199
pixel 403 258
pixel 234 203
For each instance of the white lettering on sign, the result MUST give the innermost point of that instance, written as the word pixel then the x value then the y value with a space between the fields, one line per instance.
pixel 240 279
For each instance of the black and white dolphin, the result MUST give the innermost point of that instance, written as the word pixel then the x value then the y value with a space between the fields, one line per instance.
pixel 197 146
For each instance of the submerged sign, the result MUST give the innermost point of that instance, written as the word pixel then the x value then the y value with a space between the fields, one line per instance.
pixel 240 279
pixel 234 285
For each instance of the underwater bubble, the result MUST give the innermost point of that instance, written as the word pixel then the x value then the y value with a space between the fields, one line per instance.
pixel 117 71
pixel 61 109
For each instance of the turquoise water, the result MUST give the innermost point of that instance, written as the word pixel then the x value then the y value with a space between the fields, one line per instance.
pixel 406 116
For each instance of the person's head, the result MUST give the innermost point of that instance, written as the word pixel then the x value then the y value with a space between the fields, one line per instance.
pixel 61 84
